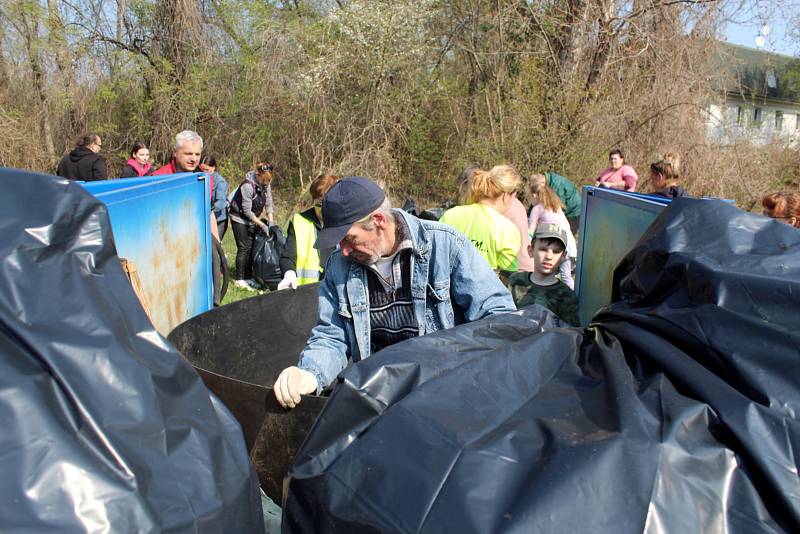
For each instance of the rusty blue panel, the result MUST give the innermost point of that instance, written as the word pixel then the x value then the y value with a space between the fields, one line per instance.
pixel 611 224
pixel 162 225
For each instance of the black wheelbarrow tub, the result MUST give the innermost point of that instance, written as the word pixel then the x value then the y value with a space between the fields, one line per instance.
pixel 239 350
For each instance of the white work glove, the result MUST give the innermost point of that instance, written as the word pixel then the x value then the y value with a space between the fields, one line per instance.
pixel 289 281
pixel 291 383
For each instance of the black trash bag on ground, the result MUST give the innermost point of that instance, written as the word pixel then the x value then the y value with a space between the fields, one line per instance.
pixel 674 412
pixel 267 250
pixel 410 206
pixel 434 214
pixel 106 428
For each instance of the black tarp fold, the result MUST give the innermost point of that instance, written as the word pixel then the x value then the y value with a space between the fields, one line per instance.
pixel 106 428
pixel 675 411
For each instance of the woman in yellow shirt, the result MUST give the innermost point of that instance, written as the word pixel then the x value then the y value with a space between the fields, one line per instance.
pixel 482 221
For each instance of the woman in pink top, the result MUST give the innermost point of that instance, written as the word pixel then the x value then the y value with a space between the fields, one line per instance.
pixel 618 175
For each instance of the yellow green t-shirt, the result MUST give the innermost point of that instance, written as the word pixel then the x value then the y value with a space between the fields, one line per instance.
pixel 493 235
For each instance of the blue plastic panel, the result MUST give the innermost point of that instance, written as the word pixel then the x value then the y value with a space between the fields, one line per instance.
pixel 162 225
pixel 611 224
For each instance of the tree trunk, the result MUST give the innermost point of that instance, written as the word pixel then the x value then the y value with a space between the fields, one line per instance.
pixel 570 46
pixel 182 38
pixel 119 32
pixel 121 6
pixel 57 40
pixel 32 45
pixel 607 9
pixel 3 69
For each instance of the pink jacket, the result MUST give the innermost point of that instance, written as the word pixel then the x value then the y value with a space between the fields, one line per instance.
pixel 516 214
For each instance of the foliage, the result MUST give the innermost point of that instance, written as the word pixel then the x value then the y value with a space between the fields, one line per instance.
pixel 406 91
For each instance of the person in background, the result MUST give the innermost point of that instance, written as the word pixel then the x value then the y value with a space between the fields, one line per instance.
pixel 185 154
pixel 618 175
pixel 462 182
pixel 547 208
pixel 219 196
pixel 783 206
pixel 300 262
pixel 515 213
pixel 567 192
pixel 392 278
pixel 252 198
pixel 483 221
pixel 139 163
pixel 84 161
pixel 665 177
pixel 186 158
pixel 541 286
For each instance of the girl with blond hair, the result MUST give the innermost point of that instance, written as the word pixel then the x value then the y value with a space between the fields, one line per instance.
pixel 665 177
pixel 482 220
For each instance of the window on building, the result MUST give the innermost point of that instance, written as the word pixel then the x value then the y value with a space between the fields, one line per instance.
pixel 758 115
pixel 797 122
pixel 739 115
pixel 772 79
pixel 778 120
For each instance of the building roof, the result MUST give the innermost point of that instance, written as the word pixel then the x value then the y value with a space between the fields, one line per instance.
pixel 758 74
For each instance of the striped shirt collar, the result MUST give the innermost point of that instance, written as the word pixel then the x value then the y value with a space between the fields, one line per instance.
pixel 403 237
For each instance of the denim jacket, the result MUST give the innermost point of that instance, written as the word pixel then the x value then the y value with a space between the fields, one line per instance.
pixel 451 283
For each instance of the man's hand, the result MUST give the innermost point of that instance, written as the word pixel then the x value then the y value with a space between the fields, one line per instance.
pixel 289 281
pixel 291 383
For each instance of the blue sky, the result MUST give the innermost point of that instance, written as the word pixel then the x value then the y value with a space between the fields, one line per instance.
pixel 746 24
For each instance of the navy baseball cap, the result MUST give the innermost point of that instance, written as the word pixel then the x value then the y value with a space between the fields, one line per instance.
pixel 348 201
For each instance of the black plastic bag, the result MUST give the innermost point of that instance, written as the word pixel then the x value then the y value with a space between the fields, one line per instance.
pixel 432 214
pixel 674 412
pixel 410 206
pixel 106 428
pixel 267 250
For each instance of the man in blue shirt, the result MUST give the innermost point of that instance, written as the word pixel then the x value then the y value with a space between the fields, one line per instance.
pixel 393 277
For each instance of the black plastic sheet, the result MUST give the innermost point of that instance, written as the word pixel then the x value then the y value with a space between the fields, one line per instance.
pixel 106 428
pixel 674 412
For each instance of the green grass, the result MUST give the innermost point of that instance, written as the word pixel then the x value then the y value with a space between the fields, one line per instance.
pixel 234 293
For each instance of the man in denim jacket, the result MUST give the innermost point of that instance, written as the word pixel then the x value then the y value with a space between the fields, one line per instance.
pixel 393 277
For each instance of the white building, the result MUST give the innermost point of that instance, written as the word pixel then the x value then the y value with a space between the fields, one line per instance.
pixel 760 98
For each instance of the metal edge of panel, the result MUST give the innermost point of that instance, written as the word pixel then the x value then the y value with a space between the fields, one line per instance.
pixel 637 200
pixel 585 192
pixel 145 187
pixel 103 187
pixel 207 240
